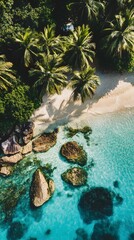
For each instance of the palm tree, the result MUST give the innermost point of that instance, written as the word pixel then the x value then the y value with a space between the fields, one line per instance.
pixel 80 48
pixel 117 7
pixel 119 36
pixel 27 46
pixel 84 83
pixel 6 73
pixel 49 42
pixel 50 75
pixel 87 10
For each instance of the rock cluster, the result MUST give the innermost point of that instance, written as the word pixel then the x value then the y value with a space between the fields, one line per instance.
pixel 21 143
pixel 15 147
pixel 74 153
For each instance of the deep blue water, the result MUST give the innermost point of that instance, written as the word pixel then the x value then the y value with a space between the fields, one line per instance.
pixel 111 148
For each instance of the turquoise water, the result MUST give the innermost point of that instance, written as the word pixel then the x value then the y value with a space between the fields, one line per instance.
pixel 111 148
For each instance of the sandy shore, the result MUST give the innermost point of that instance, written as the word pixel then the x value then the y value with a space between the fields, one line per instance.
pixel 115 93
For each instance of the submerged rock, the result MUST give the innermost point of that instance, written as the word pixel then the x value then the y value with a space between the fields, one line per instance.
pixel 45 142
pixel 41 189
pixel 81 234
pixel 11 159
pixel 76 176
pixel 105 231
pixel 10 146
pixel 116 184
pixel 48 231
pixel 16 231
pixel 97 203
pixel 131 237
pixel 74 153
pixel 5 170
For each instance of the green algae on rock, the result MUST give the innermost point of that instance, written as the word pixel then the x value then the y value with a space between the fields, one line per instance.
pixel 72 131
pixel 76 176
pixel 74 153
pixel 45 142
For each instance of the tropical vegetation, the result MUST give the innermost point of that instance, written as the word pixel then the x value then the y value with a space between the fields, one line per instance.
pixel 37 56
pixel 7 76
pixel 49 74
pixel 84 83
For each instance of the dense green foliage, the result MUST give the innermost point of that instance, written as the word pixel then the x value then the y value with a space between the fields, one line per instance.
pixel 16 107
pixel 37 54
pixel 6 73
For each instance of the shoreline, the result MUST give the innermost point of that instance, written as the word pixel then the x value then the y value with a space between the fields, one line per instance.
pixel 116 93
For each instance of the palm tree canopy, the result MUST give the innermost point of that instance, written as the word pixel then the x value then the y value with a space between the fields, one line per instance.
pixel 84 83
pixel 27 45
pixel 6 73
pixel 87 10
pixel 80 48
pixel 50 74
pixel 49 42
pixel 120 35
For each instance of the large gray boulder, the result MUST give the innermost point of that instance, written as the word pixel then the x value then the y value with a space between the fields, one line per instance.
pixel 41 189
pixel 10 146
pixel 45 142
pixel 11 159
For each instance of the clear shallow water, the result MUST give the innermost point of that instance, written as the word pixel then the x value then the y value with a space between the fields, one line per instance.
pixel 112 150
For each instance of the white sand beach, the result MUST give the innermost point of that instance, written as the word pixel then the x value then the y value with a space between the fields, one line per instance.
pixel 115 93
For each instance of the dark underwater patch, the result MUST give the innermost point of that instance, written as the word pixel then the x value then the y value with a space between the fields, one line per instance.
pixel 96 203
pixel 16 231
pixel 105 230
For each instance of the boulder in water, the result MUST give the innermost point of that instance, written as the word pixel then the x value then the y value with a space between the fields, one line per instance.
pixel 45 142
pixel 41 189
pixel 74 153
pixel 76 176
